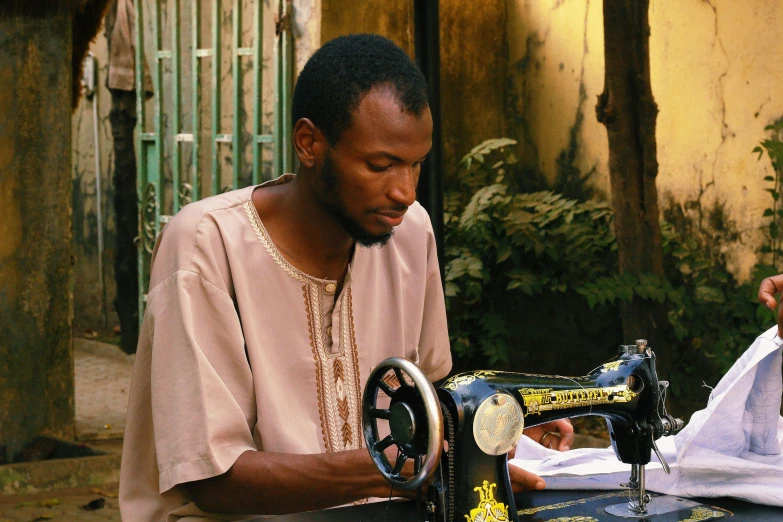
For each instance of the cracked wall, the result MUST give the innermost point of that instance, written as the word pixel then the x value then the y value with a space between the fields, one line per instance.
pixel 88 296
pixel 555 73
pixel 36 355
pixel 716 68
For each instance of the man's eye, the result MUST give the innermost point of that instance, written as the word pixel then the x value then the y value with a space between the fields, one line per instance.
pixel 378 168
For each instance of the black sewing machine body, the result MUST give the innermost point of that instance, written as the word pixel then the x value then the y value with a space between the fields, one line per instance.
pixel 483 414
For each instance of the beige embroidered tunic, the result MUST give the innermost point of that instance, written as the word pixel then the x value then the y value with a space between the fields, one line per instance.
pixel 241 351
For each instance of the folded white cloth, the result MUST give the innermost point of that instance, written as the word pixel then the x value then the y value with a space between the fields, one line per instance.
pixel 729 449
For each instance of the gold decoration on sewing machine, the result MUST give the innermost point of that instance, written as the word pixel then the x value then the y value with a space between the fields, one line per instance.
pixel 498 424
pixel 466 378
pixel 488 509
pixel 611 366
pixel 537 400
pixel 704 513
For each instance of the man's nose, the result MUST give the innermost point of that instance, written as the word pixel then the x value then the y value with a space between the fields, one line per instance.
pixel 403 189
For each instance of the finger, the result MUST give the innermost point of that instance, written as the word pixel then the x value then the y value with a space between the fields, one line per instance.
pixel 780 321
pixel 523 480
pixel 768 289
pixel 566 430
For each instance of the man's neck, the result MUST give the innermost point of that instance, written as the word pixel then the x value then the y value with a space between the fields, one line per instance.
pixel 304 232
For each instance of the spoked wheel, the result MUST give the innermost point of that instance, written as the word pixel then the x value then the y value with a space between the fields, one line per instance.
pixel 415 422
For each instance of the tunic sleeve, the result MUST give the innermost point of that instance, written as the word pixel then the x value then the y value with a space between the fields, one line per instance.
pixel 434 349
pixel 201 387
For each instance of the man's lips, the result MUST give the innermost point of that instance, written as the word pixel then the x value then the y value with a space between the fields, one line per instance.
pixel 391 218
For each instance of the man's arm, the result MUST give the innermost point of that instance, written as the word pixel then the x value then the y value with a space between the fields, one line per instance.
pixel 265 483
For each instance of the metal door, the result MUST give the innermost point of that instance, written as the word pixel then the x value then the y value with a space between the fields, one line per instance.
pixel 179 159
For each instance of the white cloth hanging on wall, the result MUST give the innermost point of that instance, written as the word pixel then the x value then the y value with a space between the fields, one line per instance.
pixel 729 449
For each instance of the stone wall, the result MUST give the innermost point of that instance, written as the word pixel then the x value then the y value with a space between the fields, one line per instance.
pixel 36 356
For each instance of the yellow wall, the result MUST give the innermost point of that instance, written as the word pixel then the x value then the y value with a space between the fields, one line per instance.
pixel 555 51
pixel 390 18
pixel 717 71
pixel 716 68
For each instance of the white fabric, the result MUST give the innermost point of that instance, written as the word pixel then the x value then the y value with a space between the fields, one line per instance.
pixel 729 449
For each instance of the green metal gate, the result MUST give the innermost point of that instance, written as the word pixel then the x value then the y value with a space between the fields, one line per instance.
pixel 169 176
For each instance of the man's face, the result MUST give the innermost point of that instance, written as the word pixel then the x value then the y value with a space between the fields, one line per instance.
pixel 368 180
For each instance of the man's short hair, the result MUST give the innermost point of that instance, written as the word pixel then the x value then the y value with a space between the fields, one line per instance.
pixel 339 74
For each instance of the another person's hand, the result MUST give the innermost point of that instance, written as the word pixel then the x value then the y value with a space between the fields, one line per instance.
pixel 768 289
pixel 557 435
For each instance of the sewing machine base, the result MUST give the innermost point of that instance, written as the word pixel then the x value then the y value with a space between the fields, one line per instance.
pixel 590 506
pixel 661 506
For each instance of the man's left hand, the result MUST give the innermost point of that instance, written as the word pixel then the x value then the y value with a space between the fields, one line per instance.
pixel 557 435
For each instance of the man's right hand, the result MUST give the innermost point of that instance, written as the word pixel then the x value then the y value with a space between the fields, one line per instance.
pixel 523 480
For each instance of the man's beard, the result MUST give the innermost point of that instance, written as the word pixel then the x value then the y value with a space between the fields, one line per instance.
pixel 333 203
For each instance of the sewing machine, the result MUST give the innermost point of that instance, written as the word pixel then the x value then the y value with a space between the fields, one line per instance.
pixel 459 435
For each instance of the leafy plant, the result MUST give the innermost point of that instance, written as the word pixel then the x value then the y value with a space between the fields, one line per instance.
pixel 499 240
pixel 774 149
pixel 520 266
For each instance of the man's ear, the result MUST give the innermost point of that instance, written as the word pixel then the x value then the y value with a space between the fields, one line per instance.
pixel 309 143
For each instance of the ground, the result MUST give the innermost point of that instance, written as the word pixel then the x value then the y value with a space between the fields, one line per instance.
pixel 65 504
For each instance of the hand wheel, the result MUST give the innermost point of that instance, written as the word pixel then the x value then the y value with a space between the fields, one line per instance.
pixel 415 421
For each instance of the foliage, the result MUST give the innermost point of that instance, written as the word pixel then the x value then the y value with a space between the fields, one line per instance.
pixel 511 253
pixel 500 240
pixel 774 149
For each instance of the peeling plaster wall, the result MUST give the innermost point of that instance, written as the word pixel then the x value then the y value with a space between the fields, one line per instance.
pixel 473 62
pixel 36 352
pixel 87 294
pixel 555 74
pixel 716 67
pixel 390 18
pixel 307 32
pixel 717 71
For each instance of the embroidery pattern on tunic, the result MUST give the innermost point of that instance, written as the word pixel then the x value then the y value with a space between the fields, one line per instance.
pixel 337 374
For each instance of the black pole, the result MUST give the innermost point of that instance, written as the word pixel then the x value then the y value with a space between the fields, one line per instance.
pixel 427 41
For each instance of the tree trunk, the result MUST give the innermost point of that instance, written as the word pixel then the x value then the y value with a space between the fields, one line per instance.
pixel 628 110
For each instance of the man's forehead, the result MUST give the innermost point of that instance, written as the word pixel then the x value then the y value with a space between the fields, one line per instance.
pixel 381 121
pixel 382 102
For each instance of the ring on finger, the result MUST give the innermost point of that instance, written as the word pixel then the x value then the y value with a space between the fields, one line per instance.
pixel 547 434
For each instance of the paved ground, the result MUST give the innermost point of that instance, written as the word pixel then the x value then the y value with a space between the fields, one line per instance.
pixel 102 381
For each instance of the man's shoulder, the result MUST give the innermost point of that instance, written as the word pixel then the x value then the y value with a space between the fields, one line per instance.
pixel 196 229
pixel 192 214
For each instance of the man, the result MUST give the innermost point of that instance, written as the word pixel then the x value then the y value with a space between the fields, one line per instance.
pixel 269 306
